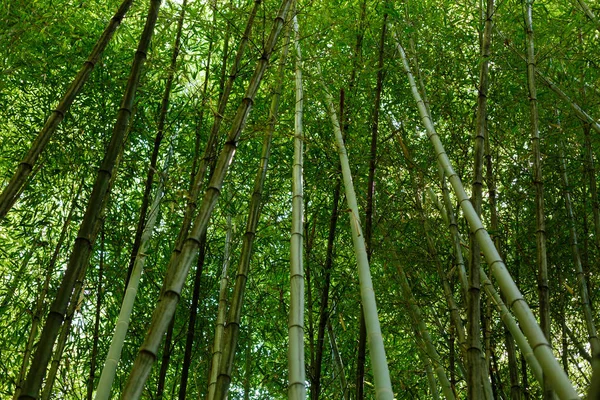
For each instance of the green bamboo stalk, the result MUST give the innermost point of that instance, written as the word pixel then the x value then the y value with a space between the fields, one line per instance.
pixel 432 353
pixel 476 372
pixel 234 314
pixel 82 248
pixel 296 366
pixel 174 281
pixel 538 182
pixel 217 348
pixel 13 190
pixel 381 374
pixel 589 13
pixel 99 296
pixel 113 356
pixel 534 334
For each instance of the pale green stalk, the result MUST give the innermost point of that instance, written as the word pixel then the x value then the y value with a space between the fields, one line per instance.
pixel 118 340
pixel 542 350
pixel 296 367
pixel 381 374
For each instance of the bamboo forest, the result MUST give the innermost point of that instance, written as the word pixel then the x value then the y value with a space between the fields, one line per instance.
pixel 301 199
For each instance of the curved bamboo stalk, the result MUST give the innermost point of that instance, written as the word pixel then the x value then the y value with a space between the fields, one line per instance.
pixel 13 190
pixel 589 13
pixel 296 367
pixel 234 314
pixel 533 332
pixel 82 248
pixel 381 374
pixel 179 269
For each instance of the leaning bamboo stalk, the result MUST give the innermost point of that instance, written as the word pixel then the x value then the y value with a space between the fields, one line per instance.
pixel 174 281
pixel 113 356
pixel 417 317
pixel 82 248
pixel 589 13
pixel 99 296
pixel 221 315
pixel 381 374
pixel 505 314
pixel 581 278
pixel 234 314
pixel 13 190
pixel 550 366
pixel 296 367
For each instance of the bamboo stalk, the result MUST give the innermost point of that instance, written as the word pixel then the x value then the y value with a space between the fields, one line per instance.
pixel 217 348
pixel 14 188
pixel 296 365
pixel 533 332
pixel 383 385
pixel 179 269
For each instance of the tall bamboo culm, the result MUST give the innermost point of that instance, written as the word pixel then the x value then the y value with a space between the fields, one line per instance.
pixel 82 248
pixel 550 366
pixel 296 367
pixel 538 182
pixel 179 269
pixel 234 314
pixel 381 374
pixel 13 190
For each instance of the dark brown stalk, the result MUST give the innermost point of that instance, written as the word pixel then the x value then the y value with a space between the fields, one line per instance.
pixel 324 306
pixel 90 386
pixel 11 192
pixel 189 341
pixel 41 300
pixel 82 249
pixel 165 360
pixel 164 108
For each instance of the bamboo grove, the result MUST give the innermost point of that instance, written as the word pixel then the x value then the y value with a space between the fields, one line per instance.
pixel 299 199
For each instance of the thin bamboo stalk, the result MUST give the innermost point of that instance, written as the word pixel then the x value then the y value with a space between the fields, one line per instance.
pixel 296 366
pixel 381 374
pixel 338 361
pixel 533 332
pixel 174 281
pixel 538 182
pixel 234 314
pixel 217 348
pixel 14 188
pixel 589 13
pixel 99 296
